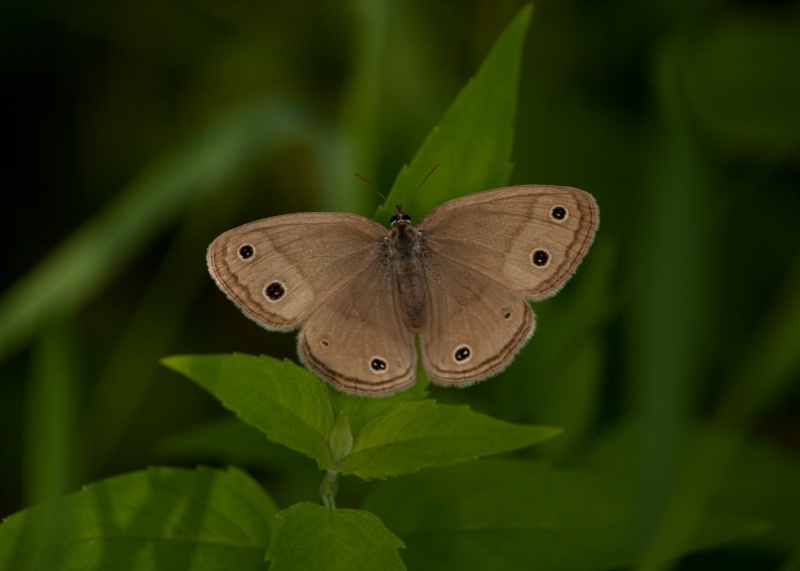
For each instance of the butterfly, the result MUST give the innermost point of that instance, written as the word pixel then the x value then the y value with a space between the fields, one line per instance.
pixel 459 281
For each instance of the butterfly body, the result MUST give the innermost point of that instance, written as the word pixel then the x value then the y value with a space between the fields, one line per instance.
pixel 459 281
pixel 405 256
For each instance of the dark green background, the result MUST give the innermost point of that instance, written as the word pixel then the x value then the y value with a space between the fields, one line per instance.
pixel 682 118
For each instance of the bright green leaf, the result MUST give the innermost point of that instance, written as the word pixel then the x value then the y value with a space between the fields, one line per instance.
pixel 311 537
pixel 473 142
pixel 418 434
pixel 162 518
pixel 524 515
pixel 286 402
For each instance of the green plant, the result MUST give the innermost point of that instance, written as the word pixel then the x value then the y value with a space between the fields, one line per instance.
pixel 499 514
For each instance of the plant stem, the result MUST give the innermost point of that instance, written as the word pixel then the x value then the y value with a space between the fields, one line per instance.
pixel 328 488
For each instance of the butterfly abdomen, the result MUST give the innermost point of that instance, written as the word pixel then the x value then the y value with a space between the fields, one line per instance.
pixel 405 266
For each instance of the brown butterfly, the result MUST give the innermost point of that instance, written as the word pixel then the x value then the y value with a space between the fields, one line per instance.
pixel 459 281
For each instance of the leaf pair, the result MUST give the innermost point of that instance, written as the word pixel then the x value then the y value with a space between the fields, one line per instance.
pixel 390 436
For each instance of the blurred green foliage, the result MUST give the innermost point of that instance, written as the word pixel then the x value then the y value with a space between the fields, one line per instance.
pixel 138 131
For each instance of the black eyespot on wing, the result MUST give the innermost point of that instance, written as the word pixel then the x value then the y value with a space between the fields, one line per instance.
pixel 540 258
pixel 246 252
pixel 275 291
pixel 462 354
pixel 378 365
pixel 559 213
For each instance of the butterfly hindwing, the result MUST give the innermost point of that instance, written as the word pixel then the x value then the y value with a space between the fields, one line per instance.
pixel 474 325
pixel 357 340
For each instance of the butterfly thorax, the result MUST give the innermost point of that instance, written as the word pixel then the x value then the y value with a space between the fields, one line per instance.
pixel 404 254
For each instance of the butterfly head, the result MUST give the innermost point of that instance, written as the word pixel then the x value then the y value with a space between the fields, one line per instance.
pixel 400 218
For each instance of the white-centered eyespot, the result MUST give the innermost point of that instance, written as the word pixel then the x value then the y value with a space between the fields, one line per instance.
pixel 275 291
pixel 540 258
pixel 559 213
pixel 462 354
pixel 378 365
pixel 246 252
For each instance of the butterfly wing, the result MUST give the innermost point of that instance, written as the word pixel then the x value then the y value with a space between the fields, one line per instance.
pixel 486 253
pixel 357 340
pixel 474 325
pixel 528 238
pixel 279 270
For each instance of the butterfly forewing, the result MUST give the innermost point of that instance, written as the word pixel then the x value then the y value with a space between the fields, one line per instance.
pixel 528 238
pixel 279 270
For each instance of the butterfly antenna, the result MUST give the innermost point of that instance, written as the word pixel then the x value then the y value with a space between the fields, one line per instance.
pixel 372 186
pixel 430 172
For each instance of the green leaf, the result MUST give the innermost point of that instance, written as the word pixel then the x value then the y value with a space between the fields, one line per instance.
pixel 162 518
pixel 291 406
pixel 361 410
pixel 524 515
pixel 286 402
pixel 226 440
pixel 418 434
pixel 53 396
pixel 341 442
pixel 474 140
pixel 311 537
